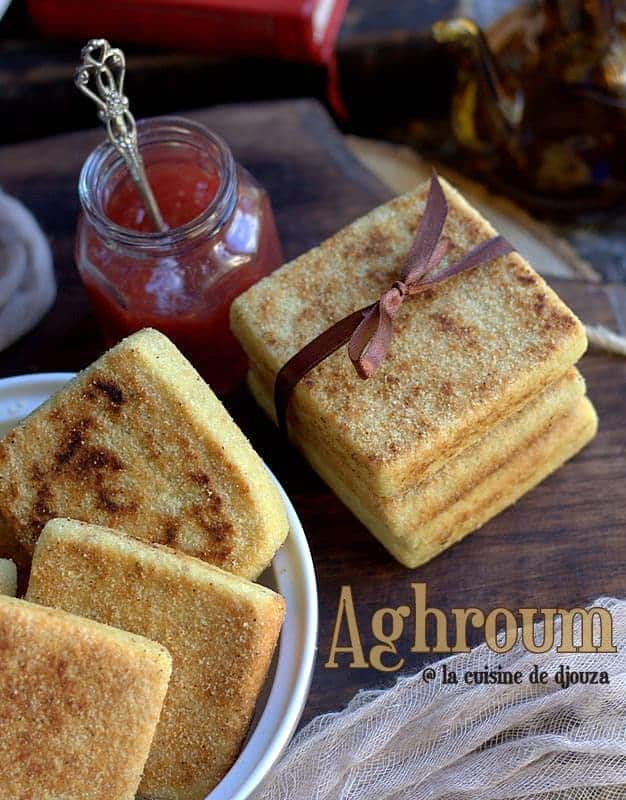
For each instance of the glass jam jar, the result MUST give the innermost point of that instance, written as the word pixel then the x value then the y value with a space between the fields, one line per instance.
pixel 221 239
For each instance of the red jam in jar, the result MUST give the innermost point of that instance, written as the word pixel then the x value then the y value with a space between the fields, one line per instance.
pixel 221 239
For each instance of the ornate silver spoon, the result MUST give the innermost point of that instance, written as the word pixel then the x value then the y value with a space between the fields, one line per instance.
pixel 101 77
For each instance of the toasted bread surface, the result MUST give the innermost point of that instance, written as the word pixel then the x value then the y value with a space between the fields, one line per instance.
pixel 79 705
pixel 465 354
pixel 8 577
pixel 528 466
pixel 220 629
pixel 138 441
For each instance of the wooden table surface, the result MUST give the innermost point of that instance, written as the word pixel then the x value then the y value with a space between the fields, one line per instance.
pixel 563 544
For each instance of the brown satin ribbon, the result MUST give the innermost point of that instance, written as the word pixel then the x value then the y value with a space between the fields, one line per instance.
pixel 369 330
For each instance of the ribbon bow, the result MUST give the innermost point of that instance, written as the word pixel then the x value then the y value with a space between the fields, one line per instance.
pixel 369 330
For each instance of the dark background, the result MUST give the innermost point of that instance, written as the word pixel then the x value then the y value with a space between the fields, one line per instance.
pixel 384 52
pixel 389 71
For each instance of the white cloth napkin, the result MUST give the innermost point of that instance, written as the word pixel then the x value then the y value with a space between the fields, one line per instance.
pixel 4 4
pixel 27 284
pixel 421 740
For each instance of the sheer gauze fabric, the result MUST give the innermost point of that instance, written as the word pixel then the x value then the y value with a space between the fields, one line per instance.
pixel 424 741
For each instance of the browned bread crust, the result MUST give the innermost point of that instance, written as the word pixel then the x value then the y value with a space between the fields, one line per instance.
pixel 79 705
pixel 220 629
pixel 530 464
pixel 138 441
pixel 413 514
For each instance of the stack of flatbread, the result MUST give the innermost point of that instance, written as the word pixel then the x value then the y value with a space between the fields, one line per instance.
pixel 477 401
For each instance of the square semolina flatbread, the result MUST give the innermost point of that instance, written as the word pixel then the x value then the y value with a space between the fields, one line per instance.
pixel 138 441
pixel 465 354
pixel 531 463
pixel 220 630
pixel 79 705
pixel 8 577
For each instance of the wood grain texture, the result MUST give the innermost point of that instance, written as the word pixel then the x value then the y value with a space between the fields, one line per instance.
pixel 562 545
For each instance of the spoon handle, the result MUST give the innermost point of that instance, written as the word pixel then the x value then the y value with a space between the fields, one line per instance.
pixel 100 76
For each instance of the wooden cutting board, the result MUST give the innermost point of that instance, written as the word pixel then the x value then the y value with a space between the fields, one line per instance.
pixel 564 544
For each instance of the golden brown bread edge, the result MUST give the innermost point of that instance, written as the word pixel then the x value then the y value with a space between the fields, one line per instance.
pixel 220 630
pixel 418 506
pixel 138 441
pixel 534 461
pixel 465 354
pixel 79 705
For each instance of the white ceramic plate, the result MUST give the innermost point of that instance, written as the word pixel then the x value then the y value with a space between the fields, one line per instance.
pixel 291 574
